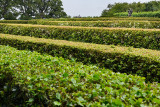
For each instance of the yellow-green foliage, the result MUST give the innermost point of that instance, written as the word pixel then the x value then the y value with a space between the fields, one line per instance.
pixel 31 79
pixel 104 19
pixel 141 14
pixel 120 23
pixel 143 62
pixel 145 38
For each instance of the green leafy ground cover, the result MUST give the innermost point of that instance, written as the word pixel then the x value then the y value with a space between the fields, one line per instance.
pixel 121 23
pixel 143 62
pixel 138 38
pixel 31 79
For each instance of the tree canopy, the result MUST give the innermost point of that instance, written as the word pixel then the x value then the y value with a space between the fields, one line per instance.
pixel 28 9
pixel 136 7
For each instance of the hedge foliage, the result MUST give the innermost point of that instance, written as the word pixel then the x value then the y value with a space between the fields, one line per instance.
pixel 141 14
pixel 104 19
pixel 28 78
pixel 128 60
pixel 139 38
pixel 126 24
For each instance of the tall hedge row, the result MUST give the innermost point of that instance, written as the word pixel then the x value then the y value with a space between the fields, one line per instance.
pixel 139 38
pixel 126 24
pixel 30 79
pixel 128 60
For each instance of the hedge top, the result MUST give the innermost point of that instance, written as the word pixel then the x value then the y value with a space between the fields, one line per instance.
pixel 78 27
pixel 148 53
pixel 106 18
pixel 105 21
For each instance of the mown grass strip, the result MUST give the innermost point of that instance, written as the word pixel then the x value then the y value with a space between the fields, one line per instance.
pixel 145 38
pixel 32 79
pixel 128 60
pixel 127 24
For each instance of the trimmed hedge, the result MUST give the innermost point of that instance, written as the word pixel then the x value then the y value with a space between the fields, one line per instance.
pixel 105 19
pixel 138 38
pixel 141 14
pixel 19 21
pixel 128 60
pixel 30 79
pixel 127 24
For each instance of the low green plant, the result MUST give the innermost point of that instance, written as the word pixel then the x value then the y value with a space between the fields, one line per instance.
pixel 31 79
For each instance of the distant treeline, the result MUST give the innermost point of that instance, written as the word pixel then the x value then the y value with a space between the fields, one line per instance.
pixel 28 9
pixel 140 14
pixel 136 7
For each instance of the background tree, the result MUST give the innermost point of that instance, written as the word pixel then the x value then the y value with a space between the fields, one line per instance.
pixel 26 8
pixel 149 6
pixel 136 7
pixel 115 8
pixel 119 7
pixel 156 5
pixel 49 9
pixel 6 10
pixel 107 13
pixel 110 6
pixel 139 7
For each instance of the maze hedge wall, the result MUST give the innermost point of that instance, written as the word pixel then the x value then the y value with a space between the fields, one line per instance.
pixel 128 60
pixel 138 38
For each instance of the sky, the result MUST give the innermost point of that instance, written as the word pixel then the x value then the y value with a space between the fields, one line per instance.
pixel 90 7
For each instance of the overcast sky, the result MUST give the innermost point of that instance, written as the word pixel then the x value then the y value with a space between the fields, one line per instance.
pixel 90 7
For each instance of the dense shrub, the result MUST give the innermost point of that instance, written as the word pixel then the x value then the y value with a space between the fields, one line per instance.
pixel 141 14
pixel 139 38
pixel 128 60
pixel 122 23
pixel 105 19
pixel 31 79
